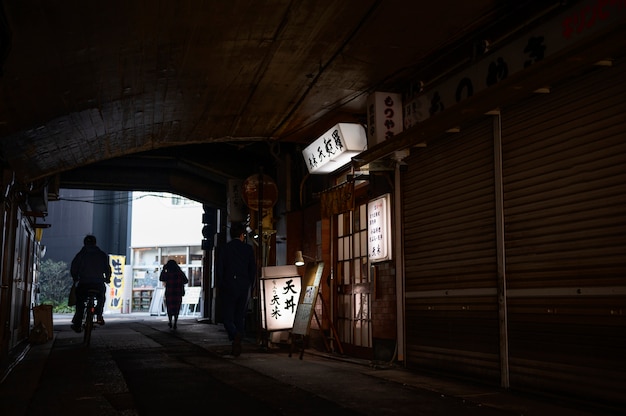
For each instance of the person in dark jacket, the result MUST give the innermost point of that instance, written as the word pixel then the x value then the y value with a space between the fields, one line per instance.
pixel 90 269
pixel 175 281
pixel 236 277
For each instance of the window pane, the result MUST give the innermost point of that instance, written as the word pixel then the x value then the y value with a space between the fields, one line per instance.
pixel 357 270
pixel 346 272
pixel 357 308
pixel 363 243
pixel 349 216
pixel 345 303
pixel 195 276
pixel 146 278
pixel 145 257
pixel 178 254
pixel 340 225
pixel 196 255
pixel 340 253
pixel 339 274
pixel 365 306
pixel 363 214
pixel 364 270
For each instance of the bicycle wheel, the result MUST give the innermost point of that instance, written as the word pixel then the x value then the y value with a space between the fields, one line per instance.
pixel 88 322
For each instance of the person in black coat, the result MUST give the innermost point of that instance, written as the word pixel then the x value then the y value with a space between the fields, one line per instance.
pixel 236 278
pixel 90 269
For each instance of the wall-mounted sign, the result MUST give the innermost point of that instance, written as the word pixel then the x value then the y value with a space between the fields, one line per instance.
pixel 384 116
pixel 562 32
pixel 379 228
pixel 280 294
pixel 335 148
pixel 337 200
pixel 236 208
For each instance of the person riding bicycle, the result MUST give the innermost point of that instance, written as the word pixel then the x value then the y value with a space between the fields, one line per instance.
pixel 90 269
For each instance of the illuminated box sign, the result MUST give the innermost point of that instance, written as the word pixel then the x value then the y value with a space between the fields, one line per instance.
pixel 335 148
pixel 280 293
pixel 379 229
pixel 384 116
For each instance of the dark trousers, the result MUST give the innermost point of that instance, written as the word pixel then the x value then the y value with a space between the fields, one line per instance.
pixel 234 310
pixel 81 298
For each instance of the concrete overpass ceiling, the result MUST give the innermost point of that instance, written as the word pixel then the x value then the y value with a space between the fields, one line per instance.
pixel 111 94
pixel 197 171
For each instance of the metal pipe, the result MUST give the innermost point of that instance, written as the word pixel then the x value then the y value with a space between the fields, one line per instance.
pixel 500 251
pixel 399 255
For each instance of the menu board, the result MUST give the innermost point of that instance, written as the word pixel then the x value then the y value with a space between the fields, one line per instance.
pixel 311 284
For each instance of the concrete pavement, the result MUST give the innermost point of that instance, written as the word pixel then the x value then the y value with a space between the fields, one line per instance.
pixel 362 386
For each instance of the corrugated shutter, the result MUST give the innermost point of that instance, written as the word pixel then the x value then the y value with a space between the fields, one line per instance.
pixel 564 201
pixel 450 255
pixel 564 173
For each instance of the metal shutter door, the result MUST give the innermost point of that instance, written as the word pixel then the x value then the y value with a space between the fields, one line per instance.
pixel 450 255
pixel 564 173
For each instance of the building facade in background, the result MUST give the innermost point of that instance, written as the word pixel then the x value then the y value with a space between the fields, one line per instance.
pixel 164 227
pixel 78 212
pixel 145 228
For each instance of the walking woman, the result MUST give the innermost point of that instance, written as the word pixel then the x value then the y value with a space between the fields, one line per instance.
pixel 175 281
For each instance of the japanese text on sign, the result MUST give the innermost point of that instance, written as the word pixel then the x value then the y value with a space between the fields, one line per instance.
pixel 384 116
pixel 583 20
pixel 116 288
pixel 378 229
pixel 280 300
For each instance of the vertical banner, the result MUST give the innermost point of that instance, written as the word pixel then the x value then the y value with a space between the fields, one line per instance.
pixel 115 292
pixel 384 117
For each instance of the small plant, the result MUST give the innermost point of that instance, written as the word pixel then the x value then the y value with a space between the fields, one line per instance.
pixel 62 308
pixel 54 285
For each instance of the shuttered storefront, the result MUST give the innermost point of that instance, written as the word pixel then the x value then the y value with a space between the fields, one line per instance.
pixel 450 255
pixel 564 240
pixel 564 177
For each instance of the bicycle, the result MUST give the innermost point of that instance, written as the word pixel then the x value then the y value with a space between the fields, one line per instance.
pixel 89 316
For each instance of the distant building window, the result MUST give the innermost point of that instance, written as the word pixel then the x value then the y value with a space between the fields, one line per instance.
pixel 178 200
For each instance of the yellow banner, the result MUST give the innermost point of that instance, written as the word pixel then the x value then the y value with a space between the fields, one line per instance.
pixel 116 288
